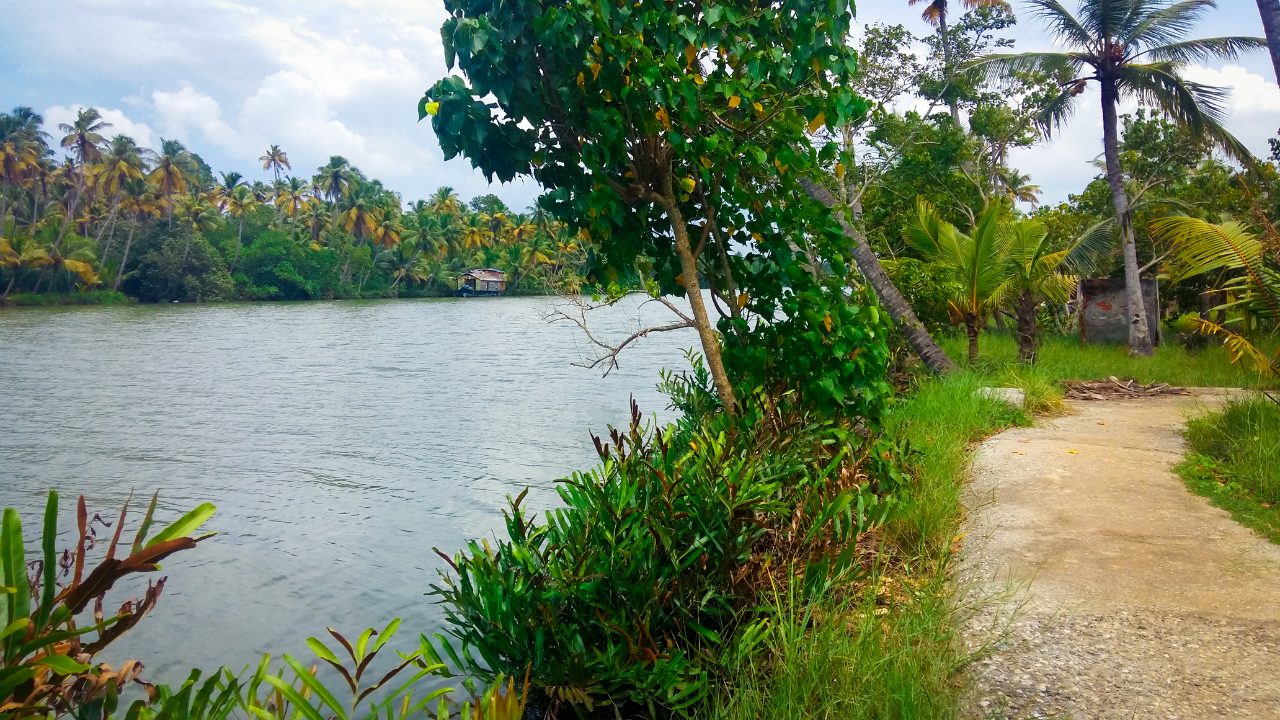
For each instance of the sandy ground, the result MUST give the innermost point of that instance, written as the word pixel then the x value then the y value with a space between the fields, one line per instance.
pixel 1111 591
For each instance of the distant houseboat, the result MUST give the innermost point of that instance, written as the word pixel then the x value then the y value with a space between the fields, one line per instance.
pixel 486 281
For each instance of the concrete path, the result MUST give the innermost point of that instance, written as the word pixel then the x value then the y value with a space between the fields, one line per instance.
pixel 1125 595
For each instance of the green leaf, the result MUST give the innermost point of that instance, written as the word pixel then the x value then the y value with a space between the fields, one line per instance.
pixel 186 524
pixel 62 664
pixel 14 627
pixel 48 539
pixel 316 686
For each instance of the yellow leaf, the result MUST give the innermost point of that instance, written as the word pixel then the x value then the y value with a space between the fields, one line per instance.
pixel 433 108
pixel 595 70
pixel 817 67
pixel 687 185
pixel 742 301
pixel 680 279
pixel 839 170
pixel 1074 452
pixel 781 168
pixel 690 54
pixel 694 446
pixel 706 162
pixel 759 108
pixel 758 237
pixel 582 81
pixel 817 122
pixel 697 79
pixel 607 96
pixel 735 101
pixel 662 117
pixel 826 322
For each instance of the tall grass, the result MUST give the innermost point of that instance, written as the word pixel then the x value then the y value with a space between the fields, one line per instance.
pixel 886 648
pixel 1065 357
pixel 1235 461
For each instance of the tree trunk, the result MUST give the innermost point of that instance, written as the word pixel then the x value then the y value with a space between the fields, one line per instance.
pixel 12 280
pixel 1139 333
pixel 689 276
pixel 1028 338
pixel 4 206
pixel 869 265
pixel 1270 12
pixel 947 70
pixel 972 328
pixel 124 259
pixel 71 211
pixel 239 235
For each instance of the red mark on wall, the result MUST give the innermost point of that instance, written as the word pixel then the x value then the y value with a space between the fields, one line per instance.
pixel 1105 306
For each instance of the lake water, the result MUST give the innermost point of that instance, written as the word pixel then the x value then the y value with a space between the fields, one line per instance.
pixel 341 442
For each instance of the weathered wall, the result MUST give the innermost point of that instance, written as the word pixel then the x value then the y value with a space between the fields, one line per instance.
pixel 1106 311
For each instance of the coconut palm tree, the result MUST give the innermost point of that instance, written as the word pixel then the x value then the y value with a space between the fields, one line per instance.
pixel 22 125
pixel 445 200
pixel 1018 187
pixel 139 204
pixel 170 179
pixel 476 232
pixel 198 215
pixel 275 160
pixel 240 203
pixel 1270 12
pixel 83 136
pixel 124 161
pixel 1133 48
pixel 334 180
pixel 979 262
pixel 15 158
pixel 935 13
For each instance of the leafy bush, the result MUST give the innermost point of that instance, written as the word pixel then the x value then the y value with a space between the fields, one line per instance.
pixel 48 667
pixel 640 594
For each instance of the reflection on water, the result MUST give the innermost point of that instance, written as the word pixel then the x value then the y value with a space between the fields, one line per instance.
pixel 341 442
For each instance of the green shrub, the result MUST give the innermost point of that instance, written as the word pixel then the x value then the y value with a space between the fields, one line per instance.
pixel 639 595
pixel 1245 440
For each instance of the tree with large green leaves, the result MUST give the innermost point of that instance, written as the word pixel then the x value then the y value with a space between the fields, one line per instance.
pixel 1131 48
pixel 935 13
pixel 664 130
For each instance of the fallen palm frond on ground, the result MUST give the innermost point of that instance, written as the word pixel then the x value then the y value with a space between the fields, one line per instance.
pixel 1115 389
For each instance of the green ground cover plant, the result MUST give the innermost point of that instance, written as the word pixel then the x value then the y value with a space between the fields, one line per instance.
pixel 1235 461
pixel 1066 358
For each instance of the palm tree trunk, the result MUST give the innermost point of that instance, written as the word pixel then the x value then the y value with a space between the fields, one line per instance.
pixel 4 206
pixel 12 280
pixel 1139 333
pixel 689 276
pixel 71 211
pixel 124 259
pixel 1027 330
pixel 972 328
pixel 239 235
pixel 869 265
pixel 1270 12
pixel 948 71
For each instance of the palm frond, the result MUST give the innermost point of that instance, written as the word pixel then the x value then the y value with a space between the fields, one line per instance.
pixel 1086 251
pixel 1240 348
pixel 1164 25
pixel 1062 24
pixel 1057 111
pixel 932 236
pixel 997 66
pixel 1226 48
pixel 1201 108
pixel 1198 247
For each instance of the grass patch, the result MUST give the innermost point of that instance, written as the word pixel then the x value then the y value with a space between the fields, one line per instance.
pixel 888 647
pixel 1066 358
pixel 1235 461
pixel 92 297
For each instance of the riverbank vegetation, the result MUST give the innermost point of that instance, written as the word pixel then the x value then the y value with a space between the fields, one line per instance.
pixel 157 225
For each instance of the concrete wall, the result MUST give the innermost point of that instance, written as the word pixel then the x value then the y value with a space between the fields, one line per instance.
pixel 1106 311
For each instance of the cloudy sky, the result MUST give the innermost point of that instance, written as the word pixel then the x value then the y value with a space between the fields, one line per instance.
pixel 324 77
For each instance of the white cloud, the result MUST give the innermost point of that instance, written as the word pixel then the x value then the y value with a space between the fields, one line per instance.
pixel 120 124
pixel 186 109
pixel 1254 108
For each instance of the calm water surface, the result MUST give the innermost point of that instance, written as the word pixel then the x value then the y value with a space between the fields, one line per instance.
pixel 341 442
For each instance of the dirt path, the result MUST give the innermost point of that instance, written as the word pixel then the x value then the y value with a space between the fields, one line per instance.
pixel 1136 599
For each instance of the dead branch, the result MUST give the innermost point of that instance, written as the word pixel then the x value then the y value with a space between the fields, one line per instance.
pixel 608 355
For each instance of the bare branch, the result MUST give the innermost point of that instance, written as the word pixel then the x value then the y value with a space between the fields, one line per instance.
pixel 607 359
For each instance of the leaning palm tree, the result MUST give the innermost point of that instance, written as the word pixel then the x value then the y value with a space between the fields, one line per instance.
pixel 1132 48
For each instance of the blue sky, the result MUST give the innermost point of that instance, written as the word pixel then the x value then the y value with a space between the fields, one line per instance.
pixel 322 77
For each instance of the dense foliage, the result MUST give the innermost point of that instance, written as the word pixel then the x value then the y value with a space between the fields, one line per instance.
pixel 158 226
